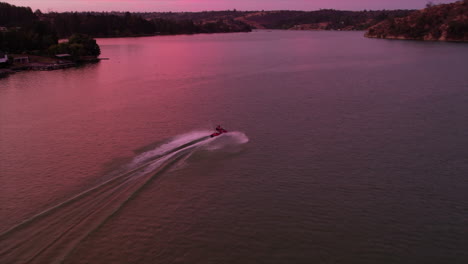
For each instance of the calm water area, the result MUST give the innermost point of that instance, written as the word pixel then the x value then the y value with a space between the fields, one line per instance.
pixel 341 149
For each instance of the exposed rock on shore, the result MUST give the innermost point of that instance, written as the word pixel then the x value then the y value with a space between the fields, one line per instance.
pixel 446 22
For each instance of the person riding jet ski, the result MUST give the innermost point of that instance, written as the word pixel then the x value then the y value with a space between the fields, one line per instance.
pixel 219 131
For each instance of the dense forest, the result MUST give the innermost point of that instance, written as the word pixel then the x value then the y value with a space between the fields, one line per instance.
pixel 25 30
pixel 325 19
pixel 106 25
pixel 446 22
pixel 15 16
pixel 22 30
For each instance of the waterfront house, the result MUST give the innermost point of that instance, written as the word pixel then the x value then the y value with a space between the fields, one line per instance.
pixel 3 57
pixel 63 56
pixel 21 59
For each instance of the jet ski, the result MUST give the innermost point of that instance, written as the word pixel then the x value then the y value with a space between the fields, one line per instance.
pixel 219 131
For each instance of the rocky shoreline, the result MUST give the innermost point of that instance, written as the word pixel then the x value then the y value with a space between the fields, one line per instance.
pixel 400 37
pixel 445 22
pixel 40 63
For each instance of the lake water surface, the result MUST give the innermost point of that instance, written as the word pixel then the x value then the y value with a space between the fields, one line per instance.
pixel 341 149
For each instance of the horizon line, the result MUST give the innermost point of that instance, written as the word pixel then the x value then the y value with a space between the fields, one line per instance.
pixel 230 10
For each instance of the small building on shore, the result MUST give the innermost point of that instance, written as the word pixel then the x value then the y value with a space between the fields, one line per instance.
pixel 22 59
pixel 63 56
pixel 3 57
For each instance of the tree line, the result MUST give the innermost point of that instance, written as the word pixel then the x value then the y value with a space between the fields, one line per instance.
pixel 25 30
pixel 108 25
pixel 436 22
pixel 286 19
pixel 15 16
pixel 337 19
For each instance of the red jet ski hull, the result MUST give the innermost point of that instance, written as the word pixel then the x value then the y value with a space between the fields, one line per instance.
pixel 218 133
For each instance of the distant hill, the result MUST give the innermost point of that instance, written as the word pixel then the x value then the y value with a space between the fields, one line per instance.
pixel 445 22
pixel 325 19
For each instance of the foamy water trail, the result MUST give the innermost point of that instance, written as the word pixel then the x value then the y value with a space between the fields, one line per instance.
pixel 51 235
pixel 169 146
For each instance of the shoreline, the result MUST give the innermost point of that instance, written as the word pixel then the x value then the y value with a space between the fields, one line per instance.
pixel 392 37
pixel 162 34
pixel 44 66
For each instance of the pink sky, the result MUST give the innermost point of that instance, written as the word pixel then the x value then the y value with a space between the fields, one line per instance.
pixel 201 5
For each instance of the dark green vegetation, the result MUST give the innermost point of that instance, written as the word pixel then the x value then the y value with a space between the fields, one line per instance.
pixel 15 16
pixel 446 22
pixel 127 24
pixel 325 19
pixel 23 30
pixel 79 45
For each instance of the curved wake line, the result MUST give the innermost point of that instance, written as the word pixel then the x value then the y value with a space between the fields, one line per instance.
pixel 53 234
pixel 176 143
pixel 162 169
pixel 78 196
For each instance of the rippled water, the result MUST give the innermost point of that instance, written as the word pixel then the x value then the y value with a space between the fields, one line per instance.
pixel 342 150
